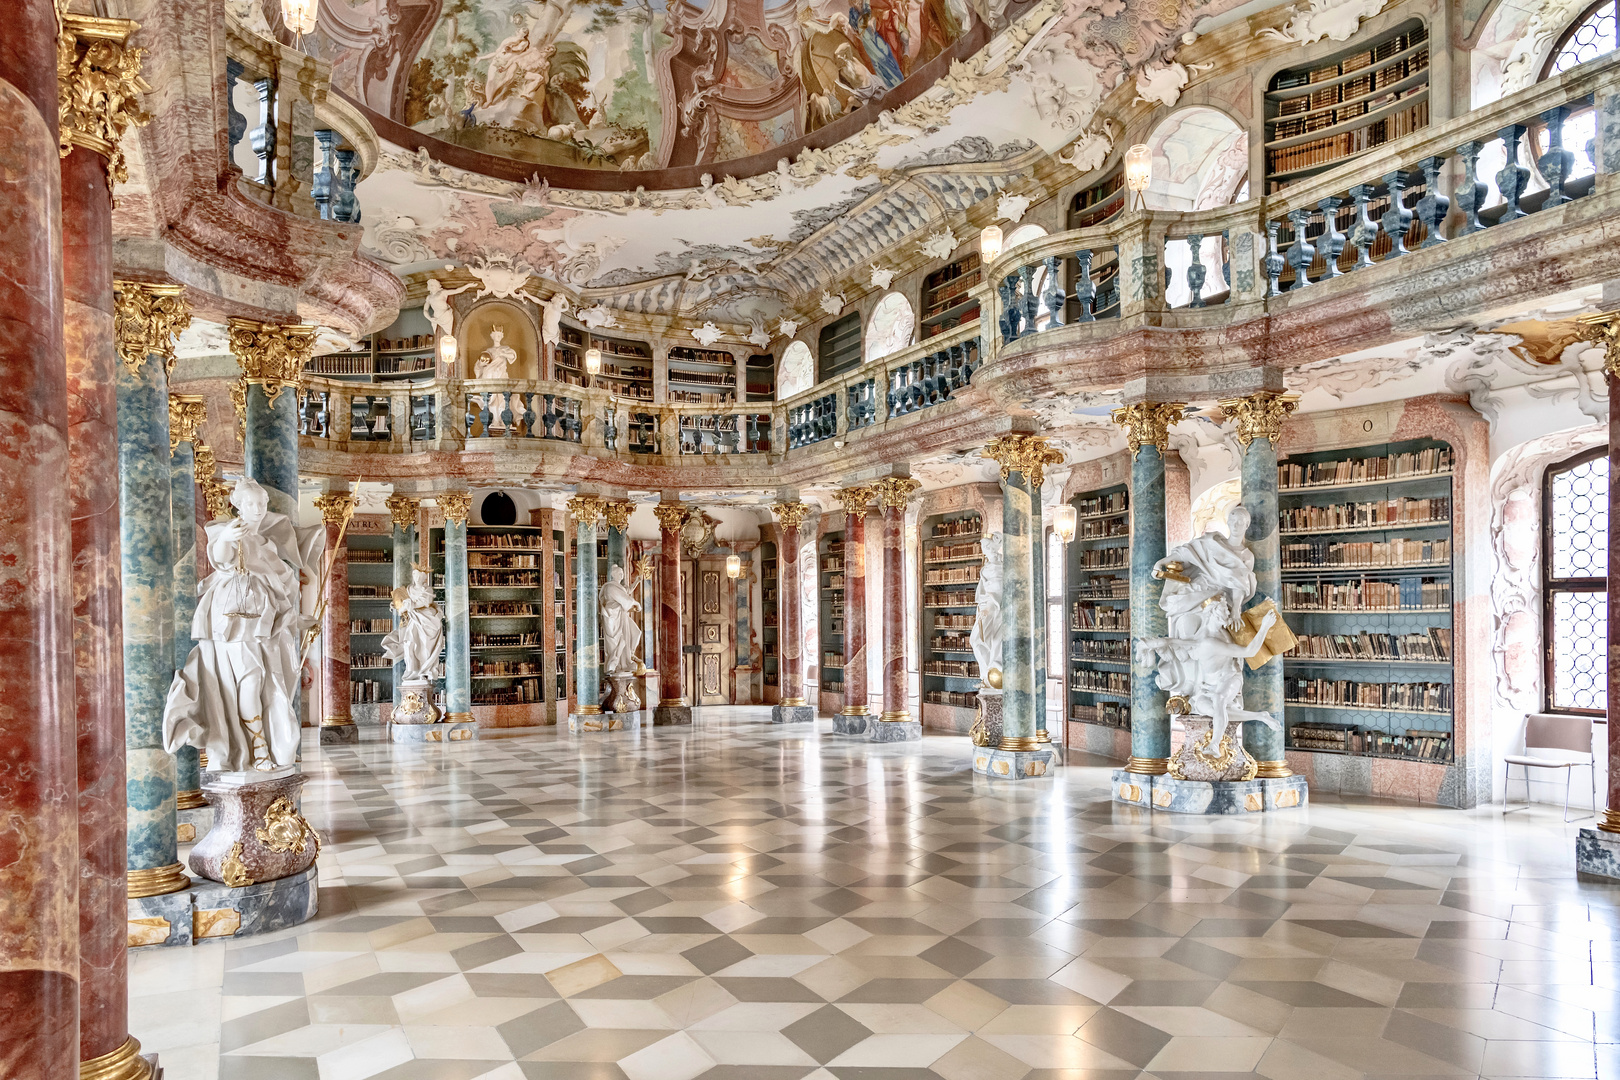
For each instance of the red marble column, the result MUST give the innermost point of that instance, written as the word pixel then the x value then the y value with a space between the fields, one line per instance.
pixel 855 500
pixel 1609 819
pixel 39 818
pixel 894 613
pixel 790 641
pixel 671 663
pixel 336 508
pixel 97 601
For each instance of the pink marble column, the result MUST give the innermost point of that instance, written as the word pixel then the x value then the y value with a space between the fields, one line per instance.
pixel 672 707
pixel 790 643
pixel 39 818
pixel 855 501
pixel 98 647
pixel 894 614
pixel 336 508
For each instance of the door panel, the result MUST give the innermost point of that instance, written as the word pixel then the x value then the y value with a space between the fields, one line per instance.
pixel 710 666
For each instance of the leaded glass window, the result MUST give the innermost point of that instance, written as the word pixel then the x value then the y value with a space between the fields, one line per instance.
pixel 1575 567
pixel 1589 37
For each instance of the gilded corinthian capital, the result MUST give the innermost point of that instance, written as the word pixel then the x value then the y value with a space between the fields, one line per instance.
pixel 855 499
pixel 336 507
pixel 146 321
pixel 186 415
pixel 618 514
pixel 1027 454
pixel 894 492
pixel 455 504
pixel 1260 415
pixel 1147 423
pixel 1604 329
pixel 98 87
pixel 671 516
pixel 271 355
pixel 587 509
pixel 215 491
pixel 402 510
pixel 791 514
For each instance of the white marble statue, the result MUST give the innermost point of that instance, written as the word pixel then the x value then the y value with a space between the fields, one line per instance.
pixel 497 360
pixel 419 637
pixel 237 696
pixel 551 313
pixel 1207 581
pixel 436 306
pixel 989 627
pixel 620 634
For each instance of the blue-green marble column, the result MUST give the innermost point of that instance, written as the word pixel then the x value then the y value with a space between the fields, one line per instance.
pixel 185 413
pixel 1018 515
pixel 1037 559
pixel 270 447
pixel 402 509
pixel 1150 717
pixel 1263 689
pixel 587 512
pixel 147 565
pixel 457 652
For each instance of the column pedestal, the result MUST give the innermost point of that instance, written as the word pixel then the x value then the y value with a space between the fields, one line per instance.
pixel 848 723
pixel 900 729
pixel 798 713
pixel 999 764
pixel 672 715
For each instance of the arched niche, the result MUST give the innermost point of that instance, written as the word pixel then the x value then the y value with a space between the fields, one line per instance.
pixel 473 338
pixel 1200 160
pixel 797 371
pixel 891 328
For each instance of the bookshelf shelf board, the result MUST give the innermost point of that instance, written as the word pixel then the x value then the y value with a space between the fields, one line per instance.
pixel 957 559
pixel 1431 610
pixel 1410 478
pixel 1369 709
pixel 369 633
pixel 1099 663
pixel 1099 693
pixel 964 678
pixel 1370 117
pixel 1362 571
pixel 1307 89
pixel 1446 523
pixel 1076 630
pixel 969 300
pixel 950 607
pixel 963 652
pixel 948 539
pixel 1103 517
pixel 1321 660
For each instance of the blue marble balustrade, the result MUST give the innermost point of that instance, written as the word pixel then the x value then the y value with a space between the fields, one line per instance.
pixel 1150 716
pixel 588 656
pixel 147 565
pixel 1018 605
pixel 183 518
pixel 457 650
pixel 1263 689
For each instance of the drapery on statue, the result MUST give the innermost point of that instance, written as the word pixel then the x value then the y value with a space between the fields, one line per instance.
pixel 419 637
pixel 620 634
pixel 989 628
pixel 237 696
pixel 1200 664
pixel 496 361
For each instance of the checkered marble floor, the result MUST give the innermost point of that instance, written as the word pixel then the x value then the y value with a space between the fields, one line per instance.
pixel 742 902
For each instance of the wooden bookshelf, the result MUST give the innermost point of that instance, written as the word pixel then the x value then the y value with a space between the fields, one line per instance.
pixel 945 300
pixel 761 375
pixel 702 376
pixel 384 359
pixel 951 561
pixel 509 567
pixel 371 584
pixel 627 367
pixel 1099 203
pixel 838 348
pixel 830 593
pixel 568 356
pixel 770 637
pixel 1319 116
pixel 1098 650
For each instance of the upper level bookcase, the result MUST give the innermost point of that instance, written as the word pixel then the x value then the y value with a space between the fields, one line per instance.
pixel 761 377
pixel 1098 203
pixel 702 376
pixel 945 300
pixel 627 367
pixel 838 349
pixel 1321 115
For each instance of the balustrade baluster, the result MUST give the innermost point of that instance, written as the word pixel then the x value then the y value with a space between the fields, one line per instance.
pixel 1026 295
pixel 1331 243
pixel 1196 273
pixel 1301 253
pixel 1009 314
pixel 1274 260
pixel 345 207
pixel 1397 219
pixel 1085 290
pixel 1471 195
pixel 508 422
pixel 326 172
pixel 263 139
pixel 1511 177
pixel 1226 262
pixel 1433 206
pixel 1556 163
pixel 549 418
pixel 235 122
pixel 1052 293
pixel 1364 233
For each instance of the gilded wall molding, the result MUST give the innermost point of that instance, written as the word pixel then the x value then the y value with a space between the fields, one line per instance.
pixel 1604 330
pixel 216 493
pixel 187 412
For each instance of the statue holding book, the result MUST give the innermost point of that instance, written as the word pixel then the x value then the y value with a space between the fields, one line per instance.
pixel 1207 580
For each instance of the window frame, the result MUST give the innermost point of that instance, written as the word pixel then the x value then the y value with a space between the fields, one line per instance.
pixel 1570 31
pixel 1551 586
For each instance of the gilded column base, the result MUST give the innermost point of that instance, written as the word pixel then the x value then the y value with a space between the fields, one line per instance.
pixel 1043 736
pixel 1609 821
pixel 855 710
pixel 589 710
pixel 1019 742
pixel 337 721
pixel 1147 766
pixel 673 702
pixel 158 880
pixel 124 1063
pixel 790 701
pixel 1273 770
pixel 891 716
pixel 462 717
pixel 189 800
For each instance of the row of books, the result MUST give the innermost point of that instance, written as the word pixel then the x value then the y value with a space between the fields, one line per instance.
pixel 504 562
pixel 1109 713
pixel 501 540
pixel 523 692
pixel 947 598
pixel 951 552
pixel 1104 682
pixel 961 699
pixel 693 397
pixel 1103 529
pixel 831 562
pixel 339 365
pixel 961 669
pixel 950 643
pixel 954 622
pixel 1105 587
pixel 1433 697
pixel 832 659
pixel 513 608
pixel 370 626
pixel 369 660
pixel 503 578
pixel 684 354
pixel 1112 503
pixel 1435 645
pixel 1108 558
pixel 1309 554
pixel 836 581
pixel 950 294
pixel 1317 110
pixel 368 592
pixel 704 378
pixel 957 575
pixel 369 692
pixel 1334 148
pixel 370 555
pixel 1354 515
pixel 501 641
pixel 1107 650
pixel 1403 594
pixel 968 526
pixel 1092 617
pixel 1416 743
pixel 1431 462
pixel 507 667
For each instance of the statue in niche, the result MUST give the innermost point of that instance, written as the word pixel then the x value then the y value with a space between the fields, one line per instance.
pixel 620 634
pixel 497 360
pixel 237 696
pixel 1200 664
pixel 419 637
pixel 989 628
pixel 551 313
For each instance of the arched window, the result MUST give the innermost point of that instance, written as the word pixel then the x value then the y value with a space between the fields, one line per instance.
pixel 1574 577
pixel 797 372
pixel 1588 37
pixel 890 328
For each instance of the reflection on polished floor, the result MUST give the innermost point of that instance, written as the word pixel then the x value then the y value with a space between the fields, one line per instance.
pixel 737 901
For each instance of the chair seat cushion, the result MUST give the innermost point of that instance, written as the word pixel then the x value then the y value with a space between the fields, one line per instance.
pixel 1544 762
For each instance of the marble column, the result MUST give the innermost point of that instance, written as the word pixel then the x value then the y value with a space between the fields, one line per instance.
pixel 337 717
pixel 1023 459
pixel 402 511
pixel 1259 419
pixel 586 512
pixel 616 517
pixel 457 505
pixel 272 357
pixel 39 928
pixel 186 416
pixel 672 707
pixel 852 719
pixel 91 482
pixel 1037 559
pixel 789 637
pixel 146 560
pixel 896 722
pixel 1147 434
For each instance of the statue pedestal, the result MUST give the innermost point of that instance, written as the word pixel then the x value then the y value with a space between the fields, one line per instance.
pixel 1197 760
pixel 903 729
pixel 415 704
pixel 428 733
pixel 258 833
pixel 1001 764
pixel 586 723
pixel 1209 797
pixel 622 696
pixel 987 727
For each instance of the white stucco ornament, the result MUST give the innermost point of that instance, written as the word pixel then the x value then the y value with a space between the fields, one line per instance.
pixel 940 245
pixel 708 334
pixel 881 277
pixel 787 328
pixel 503 278
pixel 1012 207
pixel 598 316
pixel 1165 82
pixel 758 336
pixel 1089 151
pixel 1335 20
pixel 831 303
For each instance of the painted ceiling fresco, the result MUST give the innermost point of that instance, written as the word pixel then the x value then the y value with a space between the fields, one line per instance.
pixel 648 84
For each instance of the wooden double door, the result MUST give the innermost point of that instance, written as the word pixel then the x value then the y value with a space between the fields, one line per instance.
pixel 708 649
